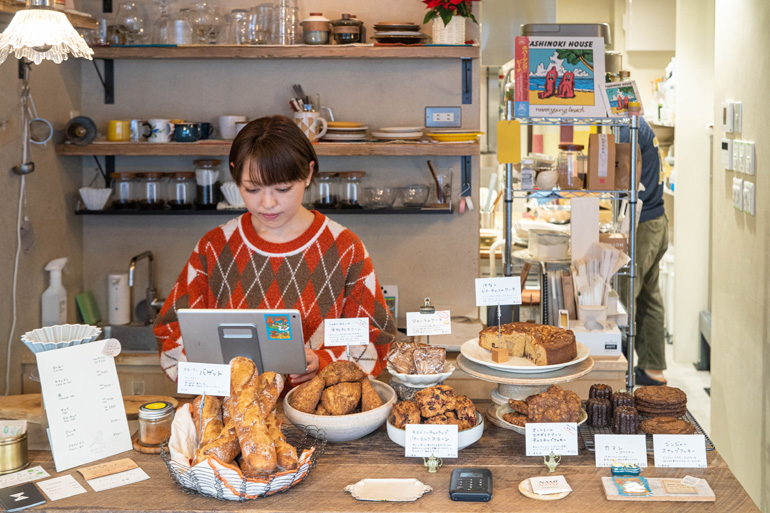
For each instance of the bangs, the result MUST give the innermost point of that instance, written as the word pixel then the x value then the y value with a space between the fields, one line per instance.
pixel 268 163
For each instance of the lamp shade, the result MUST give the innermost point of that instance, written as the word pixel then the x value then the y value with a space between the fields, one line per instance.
pixel 40 33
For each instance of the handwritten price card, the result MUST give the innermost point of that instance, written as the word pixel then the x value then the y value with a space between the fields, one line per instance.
pixel 424 440
pixel 203 378
pixel 679 451
pixel 346 332
pixel 558 437
pixel 498 291
pixel 611 449
pixel 83 403
pixel 420 324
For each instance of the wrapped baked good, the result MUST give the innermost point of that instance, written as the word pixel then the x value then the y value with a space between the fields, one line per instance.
pixel 401 357
pixel 429 359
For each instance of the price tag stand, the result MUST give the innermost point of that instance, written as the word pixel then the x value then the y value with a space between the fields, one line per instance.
pixel 427 309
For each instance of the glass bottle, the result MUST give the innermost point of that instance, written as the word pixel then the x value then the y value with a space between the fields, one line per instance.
pixel 527 174
pixel 571 166
pixel 151 191
pixel 123 190
pixel 207 192
pixel 181 190
pixel 346 30
pixel 155 423
pixel 351 189
pixel 325 190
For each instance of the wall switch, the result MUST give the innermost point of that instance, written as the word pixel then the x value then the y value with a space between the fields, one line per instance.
pixel 741 155
pixel 443 117
pixel 737 115
pixel 727 117
pixel 738 193
pixel 736 155
pixel 748 157
pixel 727 154
pixel 748 197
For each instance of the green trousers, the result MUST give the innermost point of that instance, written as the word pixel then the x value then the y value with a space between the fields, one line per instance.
pixel 650 340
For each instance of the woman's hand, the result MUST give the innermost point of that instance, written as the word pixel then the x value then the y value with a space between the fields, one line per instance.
pixel 312 368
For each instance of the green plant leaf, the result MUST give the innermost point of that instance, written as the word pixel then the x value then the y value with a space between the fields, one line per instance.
pixel 429 16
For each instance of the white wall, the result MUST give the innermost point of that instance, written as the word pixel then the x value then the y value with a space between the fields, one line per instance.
pixel 740 365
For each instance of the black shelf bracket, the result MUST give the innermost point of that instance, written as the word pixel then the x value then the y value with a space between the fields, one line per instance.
pixel 465 176
pixel 107 6
pixel 107 80
pixel 467 82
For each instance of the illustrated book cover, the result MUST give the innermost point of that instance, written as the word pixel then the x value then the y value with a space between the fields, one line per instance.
pixel 617 96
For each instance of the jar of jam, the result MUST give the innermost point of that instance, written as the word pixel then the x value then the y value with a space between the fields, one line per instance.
pixel 180 190
pixel 123 194
pixel 155 423
pixel 571 166
pixel 346 30
pixel 150 192
pixel 351 189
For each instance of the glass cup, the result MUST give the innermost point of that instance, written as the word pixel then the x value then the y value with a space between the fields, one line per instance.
pixel 202 20
pixel 237 32
pixel 130 19
pixel 179 30
pixel 441 190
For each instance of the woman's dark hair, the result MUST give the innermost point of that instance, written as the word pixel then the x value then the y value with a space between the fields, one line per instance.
pixel 274 150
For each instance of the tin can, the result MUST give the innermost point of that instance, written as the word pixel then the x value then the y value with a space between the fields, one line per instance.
pixel 13 454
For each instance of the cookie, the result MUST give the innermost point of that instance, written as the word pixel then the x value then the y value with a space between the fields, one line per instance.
pixel 667 426
pixel 660 395
pixel 516 419
pixel 518 406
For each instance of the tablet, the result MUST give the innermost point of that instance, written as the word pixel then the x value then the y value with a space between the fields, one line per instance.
pixel 272 339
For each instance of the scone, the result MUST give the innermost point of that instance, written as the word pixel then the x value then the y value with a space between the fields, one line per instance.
pixel 342 398
pixel 465 411
pixel 435 400
pixel 403 413
pixel 305 398
pixel 370 399
pixel 341 371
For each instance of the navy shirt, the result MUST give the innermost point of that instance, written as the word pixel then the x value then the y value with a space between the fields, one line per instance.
pixel 652 196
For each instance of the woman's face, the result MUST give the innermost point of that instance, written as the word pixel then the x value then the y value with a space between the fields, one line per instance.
pixel 273 207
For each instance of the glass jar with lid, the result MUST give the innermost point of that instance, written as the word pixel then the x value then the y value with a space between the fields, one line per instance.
pixel 123 193
pixel 207 187
pixel 346 30
pixel 351 189
pixel 180 190
pixel 315 29
pixel 571 166
pixel 150 190
pixel 325 194
pixel 155 423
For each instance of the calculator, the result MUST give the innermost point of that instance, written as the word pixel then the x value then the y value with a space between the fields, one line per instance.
pixel 470 484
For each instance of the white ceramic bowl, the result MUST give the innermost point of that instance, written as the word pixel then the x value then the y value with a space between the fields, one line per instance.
pixel 464 438
pixel 63 335
pixel 342 428
pixel 422 380
pixel 94 199
pixel 232 195
pixel 547 179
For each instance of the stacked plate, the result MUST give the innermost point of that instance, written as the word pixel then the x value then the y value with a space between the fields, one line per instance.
pixel 459 135
pixel 340 131
pixel 396 32
pixel 398 132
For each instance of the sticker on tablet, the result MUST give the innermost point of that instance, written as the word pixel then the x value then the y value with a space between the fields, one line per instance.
pixel 278 327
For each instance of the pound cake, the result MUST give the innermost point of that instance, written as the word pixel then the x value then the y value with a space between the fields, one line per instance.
pixel 538 343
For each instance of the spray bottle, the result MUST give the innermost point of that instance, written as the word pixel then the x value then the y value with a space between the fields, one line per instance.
pixel 54 300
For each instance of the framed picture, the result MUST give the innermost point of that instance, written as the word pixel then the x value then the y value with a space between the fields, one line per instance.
pixel 559 77
pixel 617 96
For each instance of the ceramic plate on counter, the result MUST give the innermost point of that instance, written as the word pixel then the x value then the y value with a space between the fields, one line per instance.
pixel 344 137
pixel 388 490
pixel 344 124
pixel 346 130
pixel 397 135
pixel 400 129
pixel 475 353
pixel 504 409
pixel 458 137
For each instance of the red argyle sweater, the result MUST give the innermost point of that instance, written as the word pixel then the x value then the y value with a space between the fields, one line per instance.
pixel 326 273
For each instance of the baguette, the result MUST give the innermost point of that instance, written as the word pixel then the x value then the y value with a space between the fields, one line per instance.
pixel 286 453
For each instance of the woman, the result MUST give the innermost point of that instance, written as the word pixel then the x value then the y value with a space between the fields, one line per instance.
pixel 280 255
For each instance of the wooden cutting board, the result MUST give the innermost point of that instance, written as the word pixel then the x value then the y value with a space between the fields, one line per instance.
pixel 28 406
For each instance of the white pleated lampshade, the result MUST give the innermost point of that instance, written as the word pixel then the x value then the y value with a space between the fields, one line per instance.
pixel 41 33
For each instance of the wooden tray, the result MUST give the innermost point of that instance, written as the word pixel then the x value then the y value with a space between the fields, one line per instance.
pixel 705 493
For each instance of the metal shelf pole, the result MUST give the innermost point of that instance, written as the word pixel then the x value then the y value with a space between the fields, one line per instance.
pixel 631 307
pixel 508 215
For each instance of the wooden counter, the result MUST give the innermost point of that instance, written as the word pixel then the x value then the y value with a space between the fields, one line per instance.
pixel 375 456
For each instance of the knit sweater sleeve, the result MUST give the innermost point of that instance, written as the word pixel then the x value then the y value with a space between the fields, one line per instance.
pixel 191 290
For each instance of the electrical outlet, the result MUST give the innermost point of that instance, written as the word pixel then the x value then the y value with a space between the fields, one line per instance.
pixel 737 117
pixel 738 193
pixel 749 164
pixel 727 154
pixel 443 117
pixel 748 197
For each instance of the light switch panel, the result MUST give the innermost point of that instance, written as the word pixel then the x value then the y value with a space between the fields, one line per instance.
pixel 727 117
pixel 737 117
pixel 738 193
pixel 748 197
pixel 736 155
pixel 727 154
pixel 749 158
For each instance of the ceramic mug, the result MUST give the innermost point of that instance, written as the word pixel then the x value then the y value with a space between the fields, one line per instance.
pixel 205 130
pixel 159 130
pixel 227 125
pixel 138 130
pixel 186 132
pixel 118 130
pixel 239 126
pixel 309 123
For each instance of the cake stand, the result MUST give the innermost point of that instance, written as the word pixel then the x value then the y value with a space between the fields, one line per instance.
pixel 512 385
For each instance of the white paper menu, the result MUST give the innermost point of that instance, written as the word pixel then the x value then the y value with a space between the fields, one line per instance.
pixel 83 403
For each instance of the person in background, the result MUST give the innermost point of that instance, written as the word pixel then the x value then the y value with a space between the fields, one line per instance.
pixel 280 255
pixel 651 245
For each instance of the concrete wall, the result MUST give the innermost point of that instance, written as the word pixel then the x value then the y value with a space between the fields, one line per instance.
pixel 50 227
pixel 740 367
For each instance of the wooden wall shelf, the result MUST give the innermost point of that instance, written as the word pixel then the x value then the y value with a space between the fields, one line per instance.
pixel 77 20
pixel 223 149
pixel 235 212
pixel 285 52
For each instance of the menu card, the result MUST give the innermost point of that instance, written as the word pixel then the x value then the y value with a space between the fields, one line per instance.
pixel 498 291
pixel 611 449
pixel 83 403
pixel 203 378
pixel 680 451
pixel 425 440
pixel 421 324
pixel 542 438
pixel 346 332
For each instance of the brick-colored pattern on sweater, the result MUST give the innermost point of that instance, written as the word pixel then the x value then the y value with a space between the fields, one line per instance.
pixel 325 274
